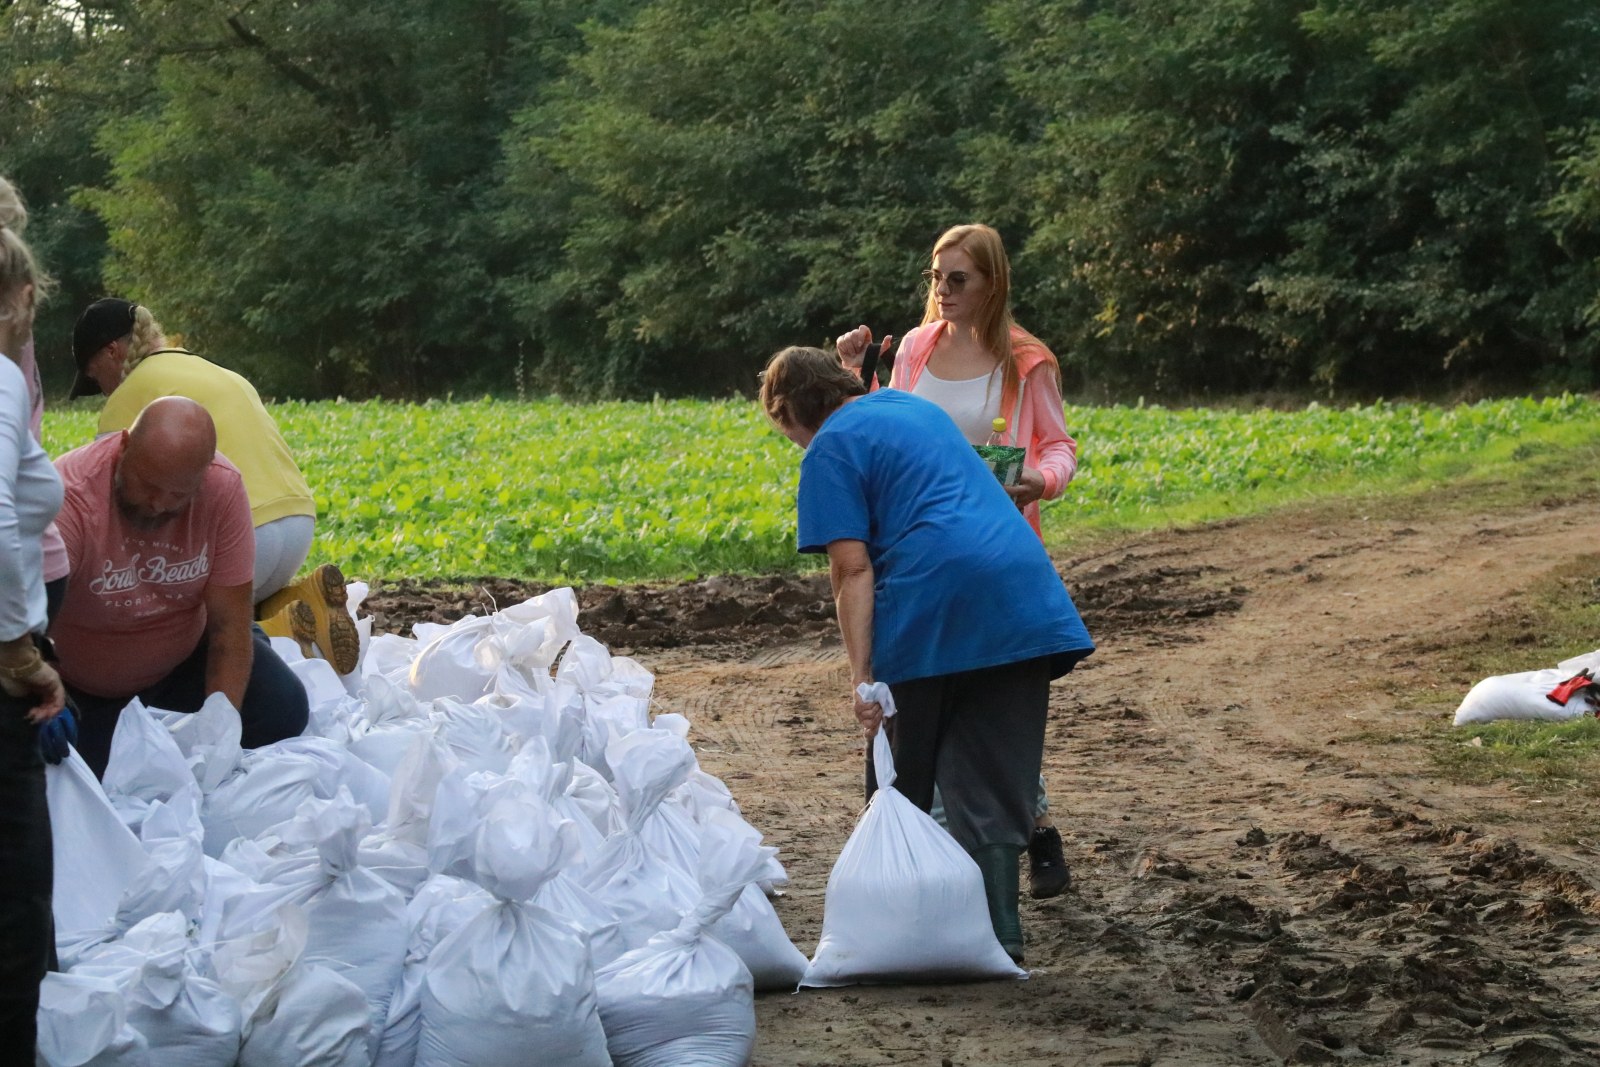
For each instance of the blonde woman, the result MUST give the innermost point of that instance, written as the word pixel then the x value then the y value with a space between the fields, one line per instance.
pixel 14 216
pixel 31 693
pixel 122 351
pixel 971 358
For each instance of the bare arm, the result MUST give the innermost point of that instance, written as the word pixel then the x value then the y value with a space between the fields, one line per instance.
pixel 850 571
pixel 228 617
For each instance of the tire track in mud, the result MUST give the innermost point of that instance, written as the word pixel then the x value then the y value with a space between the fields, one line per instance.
pixel 1389 936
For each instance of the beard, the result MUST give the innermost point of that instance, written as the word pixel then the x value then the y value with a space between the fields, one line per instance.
pixel 139 518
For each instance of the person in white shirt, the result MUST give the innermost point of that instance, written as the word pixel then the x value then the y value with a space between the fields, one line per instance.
pixel 31 694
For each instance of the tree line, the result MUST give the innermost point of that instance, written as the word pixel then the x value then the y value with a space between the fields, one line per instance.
pixel 631 197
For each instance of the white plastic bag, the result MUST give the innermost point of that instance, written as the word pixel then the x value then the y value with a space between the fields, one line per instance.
pixel 145 763
pixel 514 984
pixel 904 902
pixel 685 997
pixel 83 1022
pixel 441 907
pixel 96 856
pixel 269 785
pixel 646 889
pixel 1520 696
pixel 208 739
pixel 187 1019
pixel 356 921
pixel 294 1012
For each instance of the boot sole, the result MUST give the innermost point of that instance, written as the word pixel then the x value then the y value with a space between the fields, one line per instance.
pixel 335 634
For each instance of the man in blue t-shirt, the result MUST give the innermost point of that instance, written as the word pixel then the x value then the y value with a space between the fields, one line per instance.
pixel 943 592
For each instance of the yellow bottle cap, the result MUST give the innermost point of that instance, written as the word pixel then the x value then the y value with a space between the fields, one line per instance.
pixel 999 425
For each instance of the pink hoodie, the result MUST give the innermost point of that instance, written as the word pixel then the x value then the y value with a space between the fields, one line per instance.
pixel 1034 417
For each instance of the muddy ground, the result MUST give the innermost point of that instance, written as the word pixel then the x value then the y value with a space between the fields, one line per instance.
pixel 1262 872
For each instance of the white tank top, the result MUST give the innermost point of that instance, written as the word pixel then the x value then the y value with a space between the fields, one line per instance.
pixel 974 403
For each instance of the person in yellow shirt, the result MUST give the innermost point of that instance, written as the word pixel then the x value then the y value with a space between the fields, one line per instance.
pixel 122 351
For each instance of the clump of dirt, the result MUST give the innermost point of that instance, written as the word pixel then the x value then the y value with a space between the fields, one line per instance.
pixel 1133 595
pixel 714 611
pixel 1136 594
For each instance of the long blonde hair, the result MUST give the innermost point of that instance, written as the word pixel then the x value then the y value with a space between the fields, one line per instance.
pixel 995 323
pixel 146 337
pixel 13 212
pixel 18 267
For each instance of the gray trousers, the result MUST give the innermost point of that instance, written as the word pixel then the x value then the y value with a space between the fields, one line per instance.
pixel 979 737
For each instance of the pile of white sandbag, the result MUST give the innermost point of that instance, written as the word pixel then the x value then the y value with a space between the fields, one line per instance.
pixel 484 851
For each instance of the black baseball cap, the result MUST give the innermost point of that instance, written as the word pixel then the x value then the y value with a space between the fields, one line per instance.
pixel 101 323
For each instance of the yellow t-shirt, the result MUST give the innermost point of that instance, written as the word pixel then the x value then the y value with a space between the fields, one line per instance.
pixel 246 434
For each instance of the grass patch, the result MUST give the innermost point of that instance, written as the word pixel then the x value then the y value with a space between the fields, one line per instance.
pixel 670 490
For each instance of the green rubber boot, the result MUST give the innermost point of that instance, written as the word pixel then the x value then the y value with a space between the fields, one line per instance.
pixel 1000 865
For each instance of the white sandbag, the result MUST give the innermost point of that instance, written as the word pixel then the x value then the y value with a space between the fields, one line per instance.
pixel 685 997
pixel 460 804
pixel 1589 661
pixel 552 782
pixel 356 921
pixel 904 902
pixel 473 733
pixel 208 739
pixel 596 797
pixel 648 891
pixel 294 1012
pixel 385 746
pixel 330 708
pixel 389 656
pixel 441 906
pixel 415 783
pixel 402 864
pixel 337 769
pixel 1520 696
pixel 630 676
pixel 176 816
pixel 545 624
pixel 268 787
pixel 607 718
pixel 565 896
pixel 753 930
pixel 96 859
pixel 449 665
pixel 312 1016
pixel 187 1019
pixel 173 879
pixel 515 983
pixel 145 763
pixel 585 663
pixel 83 1022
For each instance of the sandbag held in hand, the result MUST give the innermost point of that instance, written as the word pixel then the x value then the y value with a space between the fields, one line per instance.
pixel 904 902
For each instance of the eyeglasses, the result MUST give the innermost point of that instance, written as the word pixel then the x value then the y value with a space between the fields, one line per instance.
pixel 957 279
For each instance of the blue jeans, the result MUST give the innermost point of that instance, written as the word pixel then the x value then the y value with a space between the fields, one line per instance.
pixel 275 704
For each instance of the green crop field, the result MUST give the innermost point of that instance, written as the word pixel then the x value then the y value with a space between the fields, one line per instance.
pixel 674 489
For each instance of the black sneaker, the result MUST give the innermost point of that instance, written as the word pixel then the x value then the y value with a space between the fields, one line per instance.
pixel 1047 866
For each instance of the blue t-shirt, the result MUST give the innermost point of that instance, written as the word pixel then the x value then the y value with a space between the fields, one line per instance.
pixel 960 579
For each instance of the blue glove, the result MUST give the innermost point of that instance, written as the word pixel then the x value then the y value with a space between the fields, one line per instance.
pixel 56 735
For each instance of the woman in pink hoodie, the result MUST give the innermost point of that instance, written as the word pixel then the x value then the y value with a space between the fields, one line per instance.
pixel 971 358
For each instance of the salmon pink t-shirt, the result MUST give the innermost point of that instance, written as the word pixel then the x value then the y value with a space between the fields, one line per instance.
pixel 135 602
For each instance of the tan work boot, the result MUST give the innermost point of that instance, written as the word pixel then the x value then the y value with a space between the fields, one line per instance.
pixel 295 621
pixel 334 631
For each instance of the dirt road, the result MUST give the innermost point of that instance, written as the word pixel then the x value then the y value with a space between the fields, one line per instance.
pixel 1261 875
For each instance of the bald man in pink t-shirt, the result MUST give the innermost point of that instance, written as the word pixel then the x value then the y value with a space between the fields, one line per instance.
pixel 158 601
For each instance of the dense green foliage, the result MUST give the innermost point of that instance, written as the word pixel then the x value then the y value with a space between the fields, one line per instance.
pixel 671 489
pixel 648 196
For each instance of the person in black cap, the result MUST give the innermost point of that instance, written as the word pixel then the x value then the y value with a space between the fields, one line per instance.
pixel 122 351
